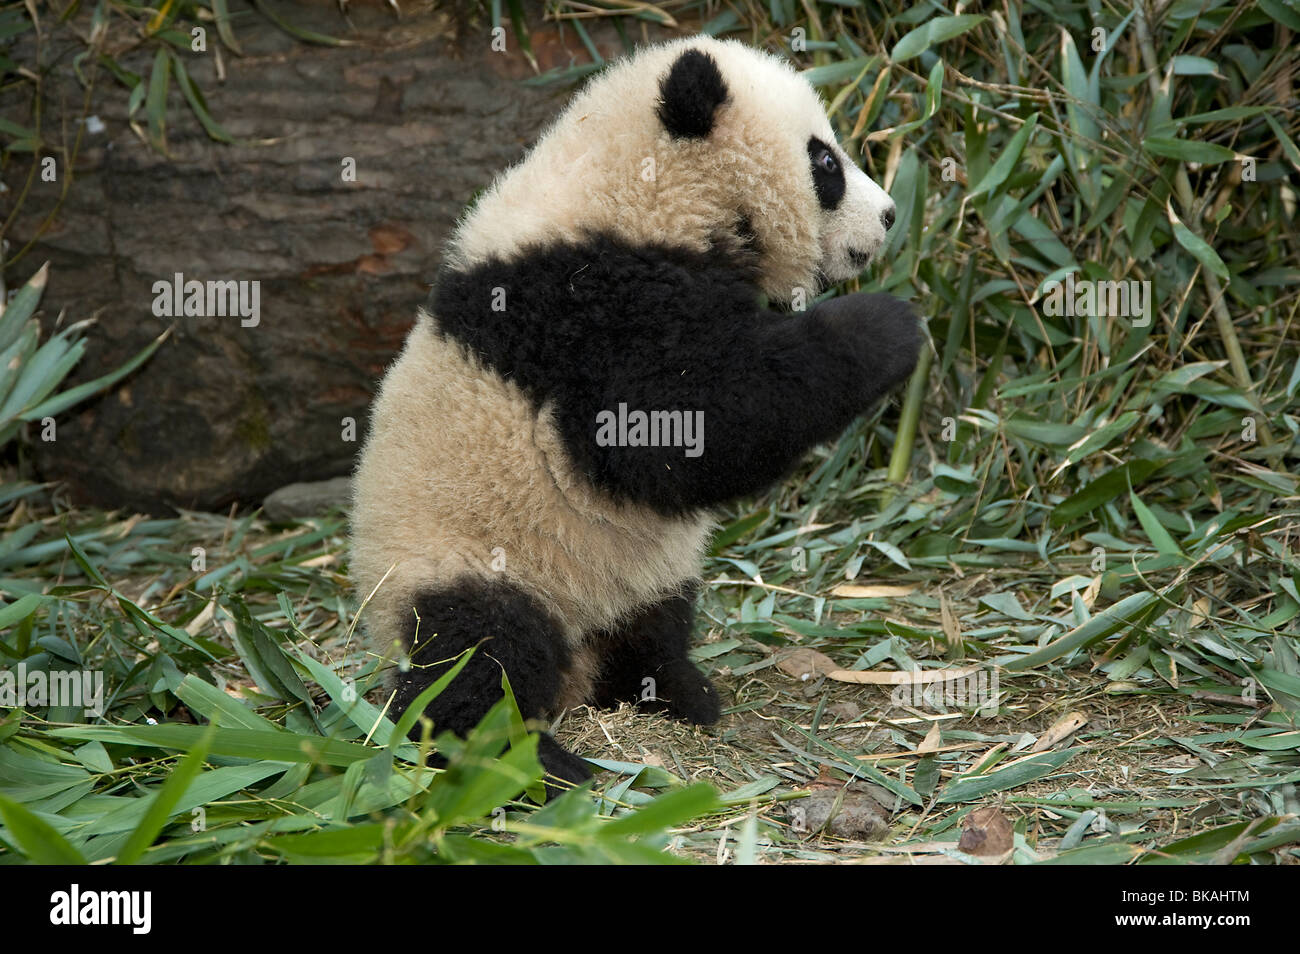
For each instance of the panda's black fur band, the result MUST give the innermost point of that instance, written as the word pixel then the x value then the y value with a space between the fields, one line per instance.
pixel 690 94
pixel 589 326
pixel 512 632
pixel 642 660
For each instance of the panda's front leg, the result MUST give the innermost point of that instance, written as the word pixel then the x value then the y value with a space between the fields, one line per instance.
pixel 758 390
pixel 643 660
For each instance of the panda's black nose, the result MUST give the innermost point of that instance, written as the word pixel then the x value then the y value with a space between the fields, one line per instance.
pixel 887 218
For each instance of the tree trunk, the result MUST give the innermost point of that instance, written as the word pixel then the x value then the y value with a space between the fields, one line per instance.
pixel 227 410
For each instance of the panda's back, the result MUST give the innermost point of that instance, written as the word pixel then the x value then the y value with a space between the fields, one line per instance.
pixel 464 475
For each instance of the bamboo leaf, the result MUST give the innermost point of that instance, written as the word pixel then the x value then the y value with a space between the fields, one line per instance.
pixel 932 33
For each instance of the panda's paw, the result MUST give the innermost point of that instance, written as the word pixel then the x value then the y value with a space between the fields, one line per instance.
pixel 687 694
pixel 881 330
pixel 564 770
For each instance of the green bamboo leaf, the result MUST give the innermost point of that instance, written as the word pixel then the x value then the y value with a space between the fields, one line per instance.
pixel 268 651
pixel 1008 160
pixel 932 33
pixel 1102 436
pixel 307 36
pixel 83 561
pixel 47 367
pixel 14 315
pixel 218 707
pixel 665 811
pixel 971 788
pixel 519 23
pixel 833 74
pixel 156 99
pixel 75 395
pixel 1282 12
pixel 211 786
pixel 36 838
pixel 16 357
pixel 1277 742
pixel 360 713
pixel 1225 115
pixel 198 105
pixel 1127 611
pixel 1288 145
pixel 1188 150
pixel 933 97
pixel 1199 248
pixel 1112 853
pixel 1188 65
pixel 1050 433
pixel 421 702
pixel 163 803
pixel 1181 378
pixel 1104 489
pixel 479 778
pixel 20 609
pixel 221 13
pixel 356 844
pixel 1204 847
pixel 742 528
pixel 1156 532
pixel 1280 682
pixel 16 131
pixel 1081 107
pixel 240 743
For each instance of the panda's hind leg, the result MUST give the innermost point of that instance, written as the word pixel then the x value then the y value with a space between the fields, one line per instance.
pixel 512 632
pixel 643 660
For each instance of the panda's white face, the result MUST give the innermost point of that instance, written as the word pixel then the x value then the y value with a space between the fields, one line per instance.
pixel 855 212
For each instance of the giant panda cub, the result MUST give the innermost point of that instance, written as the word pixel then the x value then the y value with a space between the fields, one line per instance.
pixel 595 375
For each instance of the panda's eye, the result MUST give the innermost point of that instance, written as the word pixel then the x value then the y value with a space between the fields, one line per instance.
pixel 827 174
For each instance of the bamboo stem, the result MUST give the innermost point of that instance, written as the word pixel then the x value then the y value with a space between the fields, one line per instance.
pixel 900 458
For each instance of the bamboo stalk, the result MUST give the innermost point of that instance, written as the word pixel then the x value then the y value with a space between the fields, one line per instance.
pixel 900 458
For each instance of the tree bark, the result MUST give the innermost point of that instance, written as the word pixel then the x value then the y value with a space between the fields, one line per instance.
pixel 225 412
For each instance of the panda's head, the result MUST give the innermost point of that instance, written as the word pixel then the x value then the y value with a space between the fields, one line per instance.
pixel 701 143
pixel 757 131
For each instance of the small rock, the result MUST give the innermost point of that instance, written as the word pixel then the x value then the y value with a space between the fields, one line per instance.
pixel 844 813
pixel 297 501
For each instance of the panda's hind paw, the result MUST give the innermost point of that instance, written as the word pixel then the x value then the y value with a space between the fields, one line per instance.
pixel 564 770
pixel 688 695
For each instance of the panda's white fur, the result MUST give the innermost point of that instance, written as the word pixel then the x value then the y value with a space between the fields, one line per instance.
pixel 464 475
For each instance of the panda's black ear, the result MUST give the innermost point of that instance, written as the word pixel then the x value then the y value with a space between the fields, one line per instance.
pixel 690 94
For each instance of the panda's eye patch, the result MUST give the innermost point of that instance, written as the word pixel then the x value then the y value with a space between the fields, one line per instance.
pixel 828 175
